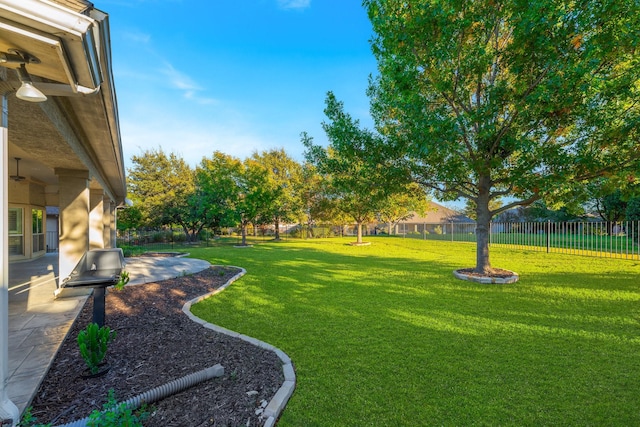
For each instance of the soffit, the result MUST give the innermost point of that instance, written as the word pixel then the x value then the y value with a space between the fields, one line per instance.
pixel 77 132
pixel 53 63
pixel 79 6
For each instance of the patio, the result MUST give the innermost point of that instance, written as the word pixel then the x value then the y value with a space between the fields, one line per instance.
pixel 38 323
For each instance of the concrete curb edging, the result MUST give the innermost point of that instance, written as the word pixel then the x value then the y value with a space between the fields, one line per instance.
pixel 487 280
pixel 279 401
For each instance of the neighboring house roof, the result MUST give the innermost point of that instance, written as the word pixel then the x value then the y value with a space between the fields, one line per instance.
pixel 438 214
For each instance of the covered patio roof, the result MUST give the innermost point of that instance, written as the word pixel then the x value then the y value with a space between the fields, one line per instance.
pixel 77 127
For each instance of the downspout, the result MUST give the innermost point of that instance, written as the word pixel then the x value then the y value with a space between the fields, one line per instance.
pixel 160 392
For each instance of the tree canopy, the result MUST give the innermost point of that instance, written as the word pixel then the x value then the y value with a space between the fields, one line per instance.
pixel 488 99
pixel 164 186
pixel 283 180
pixel 353 181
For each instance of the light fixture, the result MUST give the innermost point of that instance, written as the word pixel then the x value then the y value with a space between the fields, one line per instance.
pixel 27 91
pixel 17 177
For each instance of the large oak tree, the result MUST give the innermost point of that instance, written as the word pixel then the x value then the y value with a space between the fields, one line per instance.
pixel 520 99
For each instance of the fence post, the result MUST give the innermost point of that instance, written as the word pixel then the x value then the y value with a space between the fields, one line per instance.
pixel 490 233
pixel 548 235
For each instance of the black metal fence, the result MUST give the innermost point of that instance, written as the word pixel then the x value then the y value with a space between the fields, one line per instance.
pixel 600 239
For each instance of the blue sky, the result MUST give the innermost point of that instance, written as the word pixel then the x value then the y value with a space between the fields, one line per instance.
pixel 236 76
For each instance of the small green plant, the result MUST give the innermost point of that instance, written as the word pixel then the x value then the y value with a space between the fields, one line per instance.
pixel 28 420
pixel 114 414
pixel 124 279
pixel 160 237
pixel 93 342
pixel 179 237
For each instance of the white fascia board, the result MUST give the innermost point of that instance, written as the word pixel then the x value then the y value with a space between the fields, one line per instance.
pixel 50 13
pixel 39 37
pixel 74 28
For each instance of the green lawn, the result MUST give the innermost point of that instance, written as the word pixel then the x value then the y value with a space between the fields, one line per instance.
pixel 620 246
pixel 384 335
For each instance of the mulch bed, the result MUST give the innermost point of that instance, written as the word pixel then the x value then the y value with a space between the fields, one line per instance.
pixel 495 273
pixel 155 344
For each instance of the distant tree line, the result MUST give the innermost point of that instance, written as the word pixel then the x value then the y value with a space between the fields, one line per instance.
pixel 269 188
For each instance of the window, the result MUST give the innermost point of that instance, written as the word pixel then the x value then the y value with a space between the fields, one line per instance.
pixel 37 216
pixel 16 232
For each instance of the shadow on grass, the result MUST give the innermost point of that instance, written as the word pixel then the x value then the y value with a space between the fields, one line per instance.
pixel 387 331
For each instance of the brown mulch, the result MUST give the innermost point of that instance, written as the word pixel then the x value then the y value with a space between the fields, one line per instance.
pixel 155 344
pixel 497 273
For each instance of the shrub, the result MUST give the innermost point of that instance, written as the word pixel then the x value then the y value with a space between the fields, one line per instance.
pixel 322 232
pixel 124 279
pixel 93 342
pixel 205 235
pixel 130 251
pixel 127 252
pixel 159 237
pixel 114 414
pixel 295 232
pixel 28 420
pixel 179 237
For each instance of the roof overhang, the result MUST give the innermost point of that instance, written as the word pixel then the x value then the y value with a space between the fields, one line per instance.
pixel 56 35
pixel 77 127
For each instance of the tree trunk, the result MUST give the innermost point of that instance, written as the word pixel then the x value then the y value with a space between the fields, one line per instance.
pixel 277 229
pixel 197 233
pixel 244 233
pixel 359 229
pixel 185 229
pixel 483 220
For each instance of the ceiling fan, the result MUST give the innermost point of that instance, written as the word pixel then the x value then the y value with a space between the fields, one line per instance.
pixel 17 177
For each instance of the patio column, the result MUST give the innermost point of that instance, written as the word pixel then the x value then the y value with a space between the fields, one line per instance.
pixel 96 222
pixel 106 222
pixel 74 218
pixel 114 221
pixel 8 410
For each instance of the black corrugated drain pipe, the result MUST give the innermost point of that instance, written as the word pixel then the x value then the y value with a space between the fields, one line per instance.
pixel 162 391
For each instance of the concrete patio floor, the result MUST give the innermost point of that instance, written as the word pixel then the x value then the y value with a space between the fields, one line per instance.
pixel 38 323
